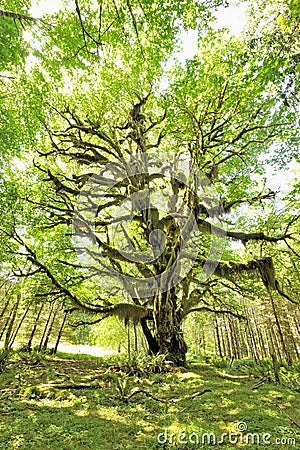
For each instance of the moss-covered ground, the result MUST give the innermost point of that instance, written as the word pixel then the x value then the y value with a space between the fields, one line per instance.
pixel 107 409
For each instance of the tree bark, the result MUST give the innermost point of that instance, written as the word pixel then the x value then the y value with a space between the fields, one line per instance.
pixel 128 341
pixel 7 342
pixel 6 303
pixel 218 339
pixel 152 342
pixel 45 328
pixel 60 332
pixel 252 342
pixel 5 325
pixel 280 333
pixel 167 328
pixel 36 322
pixel 260 339
pixel 12 340
pixel 222 336
pixel 229 352
pixel 46 341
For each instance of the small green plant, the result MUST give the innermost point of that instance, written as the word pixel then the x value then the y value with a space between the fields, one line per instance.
pixel 290 377
pixel 159 364
pixel 134 365
pixel 217 361
pixel 245 367
pixel 122 388
pixel 144 365
pixel 32 358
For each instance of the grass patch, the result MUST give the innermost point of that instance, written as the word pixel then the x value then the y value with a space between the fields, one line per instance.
pixel 35 415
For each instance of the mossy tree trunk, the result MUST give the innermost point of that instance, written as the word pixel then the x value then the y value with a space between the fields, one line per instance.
pixel 167 328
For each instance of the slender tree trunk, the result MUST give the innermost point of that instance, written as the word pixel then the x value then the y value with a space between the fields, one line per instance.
pixel 229 353
pixel 262 350
pixel 289 333
pixel 268 344
pixel 233 339
pixel 244 348
pixel 274 346
pixel 36 322
pixel 221 328
pixel 252 342
pixel 135 338
pixel 4 308
pixel 128 341
pixel 60 332
pixel 12 340
pixel 280 333
pixel 236 337
pixel 196 336
pixel 295 347
pixel 46 341
pixel 248 344
pixel 275 368
pixel 218 340
pixel 45 327
pixel 297 325
pixel 11 322
pixel 266 341
pixel 5 325
pixel 204 341
pixel 296 342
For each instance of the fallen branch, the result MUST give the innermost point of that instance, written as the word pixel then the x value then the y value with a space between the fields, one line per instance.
pixel 8 390
pixel 233 377
pixel 142 391
pixel 197 394
pixel 172 400
pixel 266 379
pixel 288 416
pixel 70 386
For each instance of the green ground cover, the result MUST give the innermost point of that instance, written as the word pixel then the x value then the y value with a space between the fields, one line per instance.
pixel 98 405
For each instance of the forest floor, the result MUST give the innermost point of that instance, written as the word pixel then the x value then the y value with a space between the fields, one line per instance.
pixel 68 402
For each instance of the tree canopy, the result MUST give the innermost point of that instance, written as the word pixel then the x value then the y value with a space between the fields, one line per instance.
pixel 139 191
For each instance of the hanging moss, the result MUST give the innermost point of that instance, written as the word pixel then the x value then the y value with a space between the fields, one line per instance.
pixel 267 272
pixel 263 267
pixel 126 312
